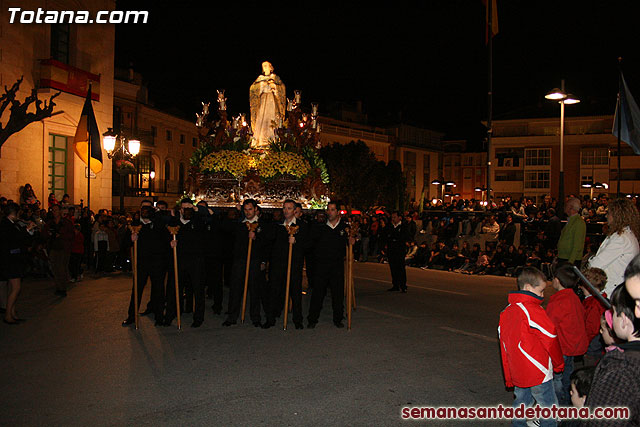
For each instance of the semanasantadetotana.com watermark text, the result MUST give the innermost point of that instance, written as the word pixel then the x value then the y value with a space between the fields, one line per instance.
pixel 42 16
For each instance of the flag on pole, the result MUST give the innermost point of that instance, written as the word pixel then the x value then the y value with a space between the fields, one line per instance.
pixel 86 132
pixel 629 118
pixel 491 32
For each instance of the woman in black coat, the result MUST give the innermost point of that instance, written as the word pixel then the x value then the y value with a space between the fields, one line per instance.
pixel 13 256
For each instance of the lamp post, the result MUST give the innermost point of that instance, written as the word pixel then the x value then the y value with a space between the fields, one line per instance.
pixel 591 185
pixel 563 98
pixel 441 182
pixel 483 191
pixel 121 149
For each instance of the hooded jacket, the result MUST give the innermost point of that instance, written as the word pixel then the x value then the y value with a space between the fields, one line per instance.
pixel 528 342
pixel 567 313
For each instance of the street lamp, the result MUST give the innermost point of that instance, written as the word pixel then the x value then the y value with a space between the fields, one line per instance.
pixel 443 183
pixel 591 185
pixel 563 98
pixel 123 150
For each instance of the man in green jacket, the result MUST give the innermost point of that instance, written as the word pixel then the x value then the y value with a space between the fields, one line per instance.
pixel 571 242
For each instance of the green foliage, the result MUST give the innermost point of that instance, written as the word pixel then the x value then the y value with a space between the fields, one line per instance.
pixel 237 144
pixel 359 180
pixel 316 162
pixel 200 153
pixel 278 145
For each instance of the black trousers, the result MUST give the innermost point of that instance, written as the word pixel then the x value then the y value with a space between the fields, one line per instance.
pixel 154 268
pixel 212 278
pixel 398 270
pixel 327 275
pixel 278 285
pixel 189 276
pixel 255 290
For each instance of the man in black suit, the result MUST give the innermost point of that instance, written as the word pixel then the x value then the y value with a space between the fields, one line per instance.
pixel 329 242
pixel 278 266
pixel 397 237
pixel 153 256
pixel 252 227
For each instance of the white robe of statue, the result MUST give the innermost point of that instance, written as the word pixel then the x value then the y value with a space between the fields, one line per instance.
pixel 267 97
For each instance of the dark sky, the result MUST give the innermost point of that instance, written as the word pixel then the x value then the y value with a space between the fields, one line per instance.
pixel 423 61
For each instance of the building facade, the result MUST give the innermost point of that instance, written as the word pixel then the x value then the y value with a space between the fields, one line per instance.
pixel 167 143
pixel 525 157
pixel 56 57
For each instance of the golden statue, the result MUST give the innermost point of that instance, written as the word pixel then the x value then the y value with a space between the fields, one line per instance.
pixel 267 98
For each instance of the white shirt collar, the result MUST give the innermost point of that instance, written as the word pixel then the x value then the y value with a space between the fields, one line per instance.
pixel 251 221
pixel 145 220
pixel 185 221
pixel 293 222
pixel 333 227
pixel 397 225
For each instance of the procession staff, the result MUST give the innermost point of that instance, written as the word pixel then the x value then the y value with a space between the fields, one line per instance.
pixel 190 244
pixel 299 242
pixel 151 237
pixel 351 295
pixel 397 237
pixel 261 238
pixel 329 247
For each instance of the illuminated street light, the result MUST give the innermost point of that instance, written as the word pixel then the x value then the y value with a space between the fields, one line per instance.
pixel 563 98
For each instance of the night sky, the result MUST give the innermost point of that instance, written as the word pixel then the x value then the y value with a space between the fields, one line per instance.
pixel 420 63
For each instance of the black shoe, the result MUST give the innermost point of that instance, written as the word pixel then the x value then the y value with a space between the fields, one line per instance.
pixel 146 312
pixel 61 293
pixel 228 323
pixel 299 325
pixel 393 289
pixel 339 324
pixel 128 321
pixel 268 324
pixel 311 325
pixel 404 290
pixel 10 323
pixel 216 310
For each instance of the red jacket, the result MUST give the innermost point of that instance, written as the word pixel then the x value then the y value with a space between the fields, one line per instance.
pixel 77 247
pixel 528 342
pixel 593 310
pixel 567 312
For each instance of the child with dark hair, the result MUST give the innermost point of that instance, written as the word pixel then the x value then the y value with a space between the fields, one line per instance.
pixel 529 345
pixel 593 311
pixel 567 313
pixel 617 378
pixel 580 385
pixel 606 331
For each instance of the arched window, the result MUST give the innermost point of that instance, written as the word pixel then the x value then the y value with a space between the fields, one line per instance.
pixel 167 175
pixel 181 178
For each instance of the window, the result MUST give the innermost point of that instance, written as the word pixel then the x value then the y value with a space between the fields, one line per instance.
pixel 167 175
pixel 58 165
pixel 467 173
pixel 511 156
pixel 586 179
pixel 510 176
pixel 194 141
pixel 140 180
pixel 154 134
pixel 536 179
pixel 181 178
pixel 537 157
pixel 169 135
pixel 594 156
pixel 60 42
pixel 181 138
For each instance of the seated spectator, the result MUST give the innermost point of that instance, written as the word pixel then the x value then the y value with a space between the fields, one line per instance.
pixel 422 256
pixel 411 253
pixel 481 264
pixel 452 258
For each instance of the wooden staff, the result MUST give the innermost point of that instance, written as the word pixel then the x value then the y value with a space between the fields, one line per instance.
pixel 291 230
pixel 251 227
pixel 352 285
pixel 174 233
pixel 353 231
pixel 135 229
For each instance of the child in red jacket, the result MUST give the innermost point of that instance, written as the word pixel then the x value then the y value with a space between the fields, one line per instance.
pixel 529 345
pixel 593 311
pixel 567 313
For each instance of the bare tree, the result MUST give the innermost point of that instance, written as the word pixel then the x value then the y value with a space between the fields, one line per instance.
pixel 19 117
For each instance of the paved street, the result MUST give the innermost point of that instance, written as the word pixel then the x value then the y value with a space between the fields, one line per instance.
pixel 72 363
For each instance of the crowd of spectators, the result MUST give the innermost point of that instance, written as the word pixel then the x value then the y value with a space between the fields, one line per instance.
pixel 472 237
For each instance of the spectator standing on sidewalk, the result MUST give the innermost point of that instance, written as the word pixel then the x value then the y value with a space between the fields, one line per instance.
pixel 571 242
pixel 59 234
